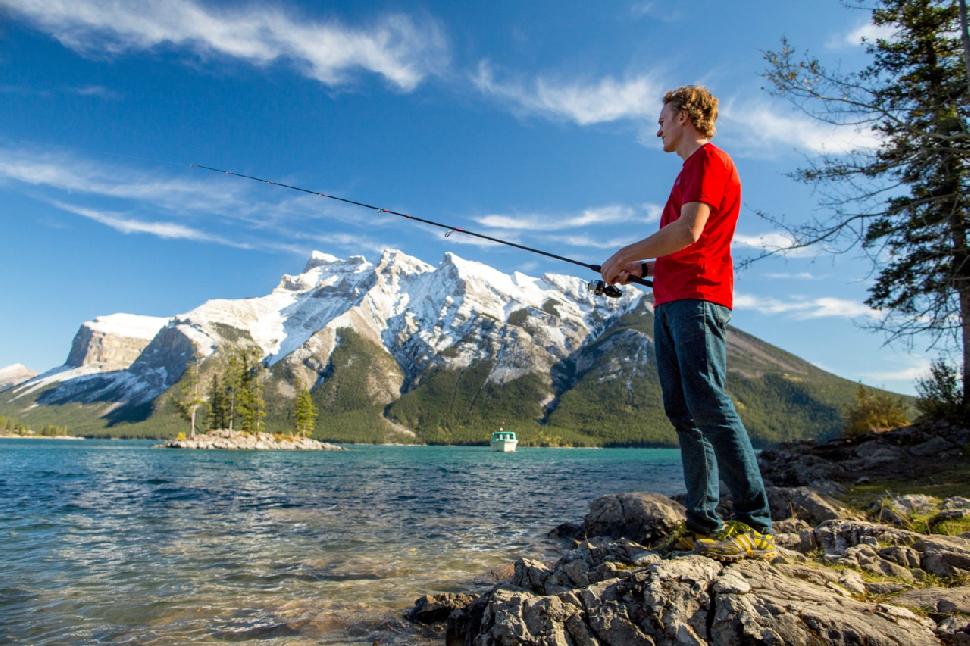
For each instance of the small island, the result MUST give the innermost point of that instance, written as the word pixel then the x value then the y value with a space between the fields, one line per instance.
pixel 231 440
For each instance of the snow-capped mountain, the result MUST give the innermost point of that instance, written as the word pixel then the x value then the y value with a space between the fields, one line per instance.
pixel 423 353
pixel 421 315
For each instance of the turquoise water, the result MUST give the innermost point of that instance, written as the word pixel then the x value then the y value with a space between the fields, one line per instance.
pixel 119 542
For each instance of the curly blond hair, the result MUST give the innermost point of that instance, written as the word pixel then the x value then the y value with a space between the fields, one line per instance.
pixel 700 104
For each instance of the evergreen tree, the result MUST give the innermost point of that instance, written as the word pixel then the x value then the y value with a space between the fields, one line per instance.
pixel 304 412
pixel 218 406
pixel 250 402
pixel 190 396
pixel 907 201
pixel 232 386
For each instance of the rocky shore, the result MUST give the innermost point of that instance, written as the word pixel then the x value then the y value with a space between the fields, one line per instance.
pixel 893 570
pixel 241 441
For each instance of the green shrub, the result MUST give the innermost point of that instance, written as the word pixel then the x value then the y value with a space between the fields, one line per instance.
pixel 940 394
pixel 874 412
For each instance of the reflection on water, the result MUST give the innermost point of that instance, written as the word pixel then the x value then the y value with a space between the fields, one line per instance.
pixel 119 542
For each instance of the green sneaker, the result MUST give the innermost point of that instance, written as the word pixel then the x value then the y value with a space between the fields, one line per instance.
pixel 736 541
pixel 682 539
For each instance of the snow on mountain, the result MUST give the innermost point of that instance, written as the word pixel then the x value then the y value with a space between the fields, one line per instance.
pixel 132 326
pixel 113 342
pixel 14 374
pixel 411 309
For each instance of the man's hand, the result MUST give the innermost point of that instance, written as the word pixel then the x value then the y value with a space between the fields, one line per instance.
pixel 636 268
pixel 617 270
pixel 615 265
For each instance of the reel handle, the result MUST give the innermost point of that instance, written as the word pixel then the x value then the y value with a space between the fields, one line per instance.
pixel 632 279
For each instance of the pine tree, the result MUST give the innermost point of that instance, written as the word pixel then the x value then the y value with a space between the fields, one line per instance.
pixel 190 396
pixel 218 406
pixel 907 201
pixel 250 402
pixel 232 386
pixel 304 412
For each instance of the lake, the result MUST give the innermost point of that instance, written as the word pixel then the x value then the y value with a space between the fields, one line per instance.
pixel 120 542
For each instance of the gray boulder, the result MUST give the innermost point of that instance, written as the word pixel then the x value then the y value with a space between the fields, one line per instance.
pixel 804 503
pixel 646 518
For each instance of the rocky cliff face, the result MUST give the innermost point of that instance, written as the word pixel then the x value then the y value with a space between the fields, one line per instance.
pixel 112 342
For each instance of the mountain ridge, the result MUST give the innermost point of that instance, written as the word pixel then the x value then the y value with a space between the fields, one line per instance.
pixel 453 349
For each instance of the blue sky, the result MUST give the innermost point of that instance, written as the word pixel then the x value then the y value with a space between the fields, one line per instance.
pixel 531 121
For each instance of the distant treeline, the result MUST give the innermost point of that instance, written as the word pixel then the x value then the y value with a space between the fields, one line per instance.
pixel 9 425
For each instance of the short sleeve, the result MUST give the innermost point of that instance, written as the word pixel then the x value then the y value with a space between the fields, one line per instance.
pixel 705 178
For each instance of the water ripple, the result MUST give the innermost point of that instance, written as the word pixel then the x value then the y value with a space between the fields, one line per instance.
pixel 122 543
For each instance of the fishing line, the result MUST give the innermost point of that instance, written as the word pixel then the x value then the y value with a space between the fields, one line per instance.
pixel 598 286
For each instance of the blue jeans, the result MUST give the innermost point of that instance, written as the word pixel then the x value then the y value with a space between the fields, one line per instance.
pixel 689 337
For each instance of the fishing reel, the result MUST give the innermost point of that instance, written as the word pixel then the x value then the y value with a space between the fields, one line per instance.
pixel 600 288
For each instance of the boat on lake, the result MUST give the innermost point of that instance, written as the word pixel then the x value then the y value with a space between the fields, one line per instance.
pixel 504 441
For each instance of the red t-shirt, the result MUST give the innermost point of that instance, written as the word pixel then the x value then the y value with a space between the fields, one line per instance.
pixel 703 270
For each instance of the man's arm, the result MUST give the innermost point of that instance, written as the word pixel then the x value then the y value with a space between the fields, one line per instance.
pixel 679 234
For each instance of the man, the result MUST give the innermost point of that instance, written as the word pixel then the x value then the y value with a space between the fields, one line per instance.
pixel 693 295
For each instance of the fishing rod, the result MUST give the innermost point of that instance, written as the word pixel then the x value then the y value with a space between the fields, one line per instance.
pixel 599 287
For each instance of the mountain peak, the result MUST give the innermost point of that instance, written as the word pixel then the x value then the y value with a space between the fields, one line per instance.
pixel 319 259
pixel 14 374
pixel 132 326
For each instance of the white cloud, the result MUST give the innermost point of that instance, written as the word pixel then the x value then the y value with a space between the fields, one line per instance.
pixel 395 47
pixel 863 33
pixel 758 128
pixel 774 241
pixel 607 214
pixel 918 368
pixel 806 308
pixel 582 102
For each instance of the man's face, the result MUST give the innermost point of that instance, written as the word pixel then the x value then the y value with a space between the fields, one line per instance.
pixel 671 127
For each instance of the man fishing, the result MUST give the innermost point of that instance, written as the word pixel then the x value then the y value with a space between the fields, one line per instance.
pixel 693 296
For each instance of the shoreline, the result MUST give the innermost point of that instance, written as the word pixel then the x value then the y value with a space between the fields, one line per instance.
pixel 873 536
pixel 41 437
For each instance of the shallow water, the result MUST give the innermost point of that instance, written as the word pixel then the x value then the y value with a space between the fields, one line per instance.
pixel 119 542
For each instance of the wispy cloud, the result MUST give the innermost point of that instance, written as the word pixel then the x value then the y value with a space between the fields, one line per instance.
pixel 758 128
pixel 774 241
pixel 95 90
pixel 98 91
pixel 663 11
pixel 594 242
pixel 806 308
pixel 611 213
pixel 583 102
pixel 918 368
pixel 127 225
pixel 246 215
pixel 801 275
pixel 396 47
